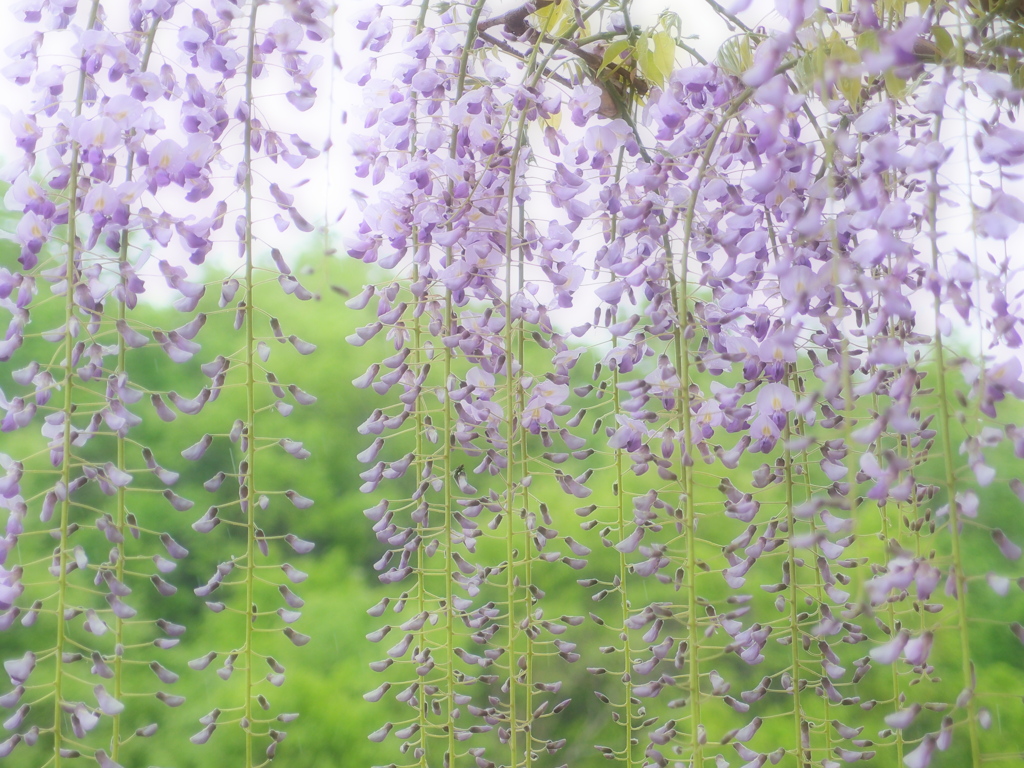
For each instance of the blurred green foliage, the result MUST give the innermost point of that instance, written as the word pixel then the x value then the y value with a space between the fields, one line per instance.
pixel 327 678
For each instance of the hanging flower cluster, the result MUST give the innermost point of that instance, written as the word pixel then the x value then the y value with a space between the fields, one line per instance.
pixel 139 158
pixel 730 348
pixel 689 331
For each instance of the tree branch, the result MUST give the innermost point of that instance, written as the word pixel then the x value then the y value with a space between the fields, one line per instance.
pixel 515 20
pixel 506 48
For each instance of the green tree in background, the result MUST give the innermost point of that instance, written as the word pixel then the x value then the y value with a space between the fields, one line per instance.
pixel 662 410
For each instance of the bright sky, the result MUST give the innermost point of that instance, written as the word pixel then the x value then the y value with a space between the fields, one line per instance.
pixel 699 19
pixel 337 96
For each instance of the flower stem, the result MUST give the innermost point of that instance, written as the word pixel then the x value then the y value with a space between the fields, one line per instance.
pixel 249 484
pixel 449 464
pixel 967 666
pixel 795 640
pixel 70 276
pixel 681 298
pixel 121 514
pixel 620 504
pixel 419 412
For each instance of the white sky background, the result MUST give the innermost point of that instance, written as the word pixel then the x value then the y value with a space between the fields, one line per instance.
pixel 320 184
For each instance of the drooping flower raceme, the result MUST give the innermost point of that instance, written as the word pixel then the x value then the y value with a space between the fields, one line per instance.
pixel 681 339
pixel 756 427
pixel 124 144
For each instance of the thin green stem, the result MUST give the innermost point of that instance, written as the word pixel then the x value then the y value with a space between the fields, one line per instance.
pixel 681 299
pixel 890 607
pixel 71 277
pixel 449 761
pixel 627 653
pixel 251 368
pixel 524 471
pixel 682 351
pixel 967 666
pixel 512 398
pixel 620 508
pixel 419 418
pixel 803 758
pixel 510 483
pixel 121 512
pixel 803 755
pixel 448 462
pixel 801 430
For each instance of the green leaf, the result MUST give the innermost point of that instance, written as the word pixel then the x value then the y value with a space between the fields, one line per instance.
pixel 866 41
pixel 736 55
pixel 555 18
pixel 943 41
pixel 664 56
pixel 840 49
pixel 612 54
pixel 848 86
pixel 650 59
pixel 896 86
pixel 1017 78
pixel 642 54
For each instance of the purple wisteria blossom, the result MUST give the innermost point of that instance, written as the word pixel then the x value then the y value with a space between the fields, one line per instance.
pixel 709 306
pixel 135 115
